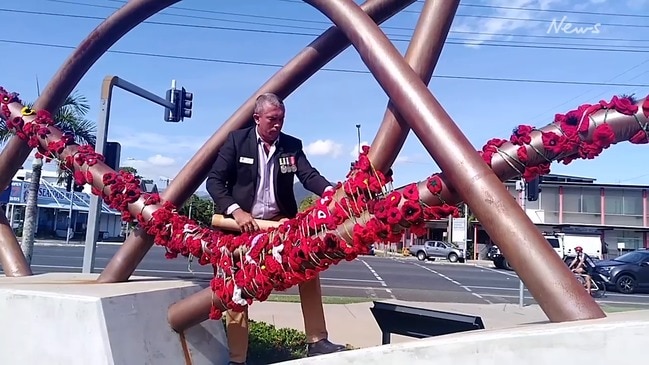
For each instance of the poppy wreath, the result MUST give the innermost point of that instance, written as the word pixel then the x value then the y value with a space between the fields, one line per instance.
pixel 343 223
pixel 565 139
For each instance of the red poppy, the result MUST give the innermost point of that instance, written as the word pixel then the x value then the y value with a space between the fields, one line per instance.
pixel 434 184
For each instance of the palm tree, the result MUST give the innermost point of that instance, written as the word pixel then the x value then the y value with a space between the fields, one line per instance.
pixel 69 117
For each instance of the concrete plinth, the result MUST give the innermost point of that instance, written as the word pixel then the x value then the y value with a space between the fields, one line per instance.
pixel 594 342
pixel 69 319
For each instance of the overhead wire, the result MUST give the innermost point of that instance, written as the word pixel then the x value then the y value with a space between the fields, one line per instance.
pixel 452 41
pixel 343 70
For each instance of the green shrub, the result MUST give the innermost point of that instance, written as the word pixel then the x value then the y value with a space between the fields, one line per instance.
pixel 268 344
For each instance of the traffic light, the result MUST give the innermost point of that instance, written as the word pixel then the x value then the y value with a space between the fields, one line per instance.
pixel 112 152
pixel 533 189
pixel 183 103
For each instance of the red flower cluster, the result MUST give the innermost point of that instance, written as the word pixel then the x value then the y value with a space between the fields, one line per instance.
pixel 435 186
pixel 341 225
pixel 344 223
pixel 568 143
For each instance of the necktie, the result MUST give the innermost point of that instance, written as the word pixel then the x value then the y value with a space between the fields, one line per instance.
pixel 266 147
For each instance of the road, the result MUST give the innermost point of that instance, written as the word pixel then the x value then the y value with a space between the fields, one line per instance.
pixel 368 276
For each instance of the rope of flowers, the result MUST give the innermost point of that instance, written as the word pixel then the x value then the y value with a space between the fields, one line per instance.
pixel 253 264
pixel 340 225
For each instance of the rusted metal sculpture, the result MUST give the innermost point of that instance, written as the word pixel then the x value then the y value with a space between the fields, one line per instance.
pixel 12 259
pixel 318 53
pixel 422 55
pixel 466 176
pixel 94 46
pixel 470 177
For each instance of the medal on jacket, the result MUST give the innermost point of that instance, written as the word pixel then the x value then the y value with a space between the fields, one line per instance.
pixel 283 165
pixel 292 164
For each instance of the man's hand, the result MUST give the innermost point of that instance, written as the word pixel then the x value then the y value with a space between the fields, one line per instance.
pixel 245 221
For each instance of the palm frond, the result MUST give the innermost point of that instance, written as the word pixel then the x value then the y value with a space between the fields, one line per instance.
pixel 84 130
pixel 5 134
pixel 76 103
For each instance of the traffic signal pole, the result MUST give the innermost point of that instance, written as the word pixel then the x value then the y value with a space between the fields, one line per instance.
pixel 94 212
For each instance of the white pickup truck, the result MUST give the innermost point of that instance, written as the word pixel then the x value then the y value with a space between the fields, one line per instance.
pixel 563 244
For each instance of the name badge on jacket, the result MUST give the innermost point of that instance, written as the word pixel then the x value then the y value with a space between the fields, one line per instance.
pixel 246 160
pixel 287 164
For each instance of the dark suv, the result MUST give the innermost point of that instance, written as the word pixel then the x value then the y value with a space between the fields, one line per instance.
pixel 627 273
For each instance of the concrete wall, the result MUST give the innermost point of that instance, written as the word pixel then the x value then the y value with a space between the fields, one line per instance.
pixel 613 340
pixel 69 319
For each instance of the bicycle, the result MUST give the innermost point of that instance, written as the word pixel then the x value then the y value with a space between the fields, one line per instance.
pixel 597 287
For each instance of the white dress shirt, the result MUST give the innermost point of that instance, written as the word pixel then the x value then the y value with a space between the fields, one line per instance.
pixel 264 206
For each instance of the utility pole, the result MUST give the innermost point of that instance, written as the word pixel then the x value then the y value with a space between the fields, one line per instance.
pixel 358 128
pixel 520 187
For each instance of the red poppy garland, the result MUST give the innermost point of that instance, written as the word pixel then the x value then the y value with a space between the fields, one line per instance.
pixel 253 265
pixel 342 224
pixel 565 139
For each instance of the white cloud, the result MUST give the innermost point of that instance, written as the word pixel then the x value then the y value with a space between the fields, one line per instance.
pixel 157 167
pixel 484 28
pixel 160 160
pixel 325 147
pixel 636 4
pixel 354 152
pixel 402 159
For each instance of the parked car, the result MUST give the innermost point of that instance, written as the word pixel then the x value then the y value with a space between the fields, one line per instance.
pixel 437 249
pixel 627 273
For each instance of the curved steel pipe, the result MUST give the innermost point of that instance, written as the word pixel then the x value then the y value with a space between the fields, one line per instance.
pixel 195 308
pixel 422 55
pixel 553 286
pixel 12 259
pixel 75 67
pixel 317 54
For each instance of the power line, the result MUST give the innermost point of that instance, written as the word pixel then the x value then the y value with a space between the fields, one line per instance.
pixel 452 41
pixel 392 27
pixel 507 8
pixel 350 71
pixel 551 10
pixel 256 16
pixel 556 107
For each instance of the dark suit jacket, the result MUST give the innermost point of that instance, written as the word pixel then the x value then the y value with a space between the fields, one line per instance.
pixel 233 178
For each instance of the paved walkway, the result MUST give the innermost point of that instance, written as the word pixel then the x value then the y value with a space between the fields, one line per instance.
pixel 354 324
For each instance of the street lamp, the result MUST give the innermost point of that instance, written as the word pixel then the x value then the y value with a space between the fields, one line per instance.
pixel 358 127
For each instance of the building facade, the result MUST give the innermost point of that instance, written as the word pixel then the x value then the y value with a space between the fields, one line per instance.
pixel 58 209
pixel 619 214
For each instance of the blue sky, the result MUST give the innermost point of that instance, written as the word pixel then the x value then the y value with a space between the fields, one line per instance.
pixel 324 111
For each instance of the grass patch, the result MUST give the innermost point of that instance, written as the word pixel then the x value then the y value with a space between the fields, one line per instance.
pixel 617 309
pixel 287 298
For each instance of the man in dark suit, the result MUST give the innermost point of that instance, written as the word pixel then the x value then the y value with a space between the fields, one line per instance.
pixel 252 178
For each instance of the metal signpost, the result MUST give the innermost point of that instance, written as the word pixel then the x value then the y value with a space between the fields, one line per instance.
pixel 178 105
pixel 520 187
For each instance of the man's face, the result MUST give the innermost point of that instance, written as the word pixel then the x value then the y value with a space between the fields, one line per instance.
pixel 269 122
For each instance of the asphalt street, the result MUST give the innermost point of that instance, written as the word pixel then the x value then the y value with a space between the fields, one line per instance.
pixel 403 278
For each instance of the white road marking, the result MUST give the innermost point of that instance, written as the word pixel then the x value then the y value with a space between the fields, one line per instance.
pixel 598 300
pixel 608 294
pixel 378 278
pixel 205 273
pixel 454 282
pixel 498 271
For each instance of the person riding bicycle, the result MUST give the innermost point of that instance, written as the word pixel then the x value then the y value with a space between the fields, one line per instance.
pixel 581 265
